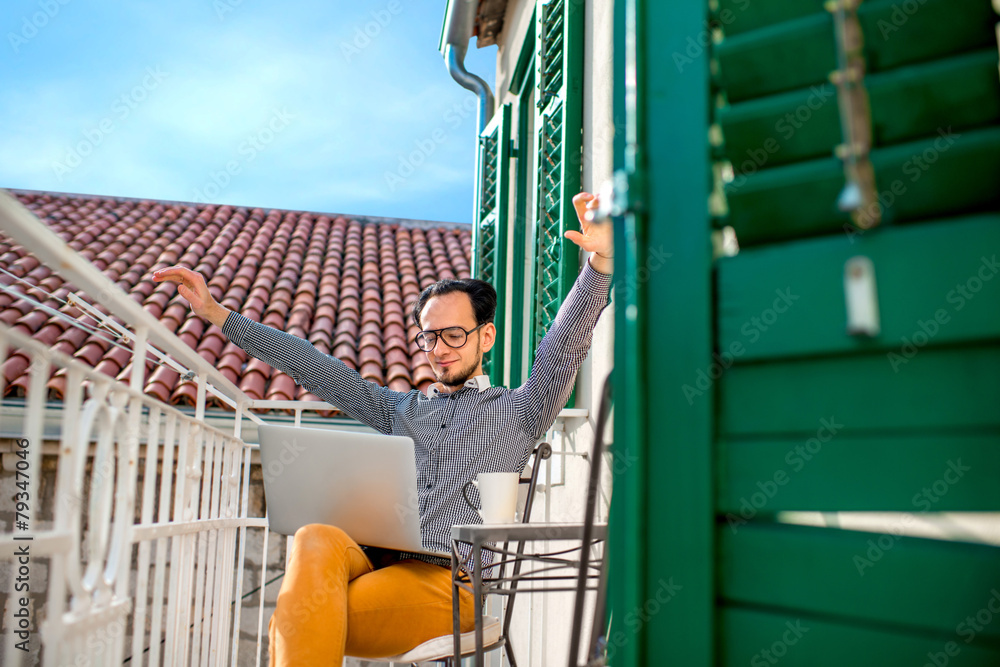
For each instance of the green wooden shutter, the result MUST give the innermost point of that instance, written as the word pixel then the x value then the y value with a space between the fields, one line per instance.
pixel 489 250
pixel 931 75
pixel 736 418
pixel 559 127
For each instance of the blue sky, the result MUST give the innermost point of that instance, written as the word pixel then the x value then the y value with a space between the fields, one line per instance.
pixel 336 106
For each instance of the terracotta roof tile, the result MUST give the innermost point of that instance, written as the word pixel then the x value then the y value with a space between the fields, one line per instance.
pixel 342 283
pixel 14 367
pixel 71 340
pixel 398 370
pixel 372 371
pixel 281 388
pixel 345 352
pixel 400 384
pixel 161 381
pixel 57 386
pixel 371 353
pixel 31 322
pixel 371 338
pixel 423 373
pixel 398 342
pixel 233 360
pixel 348 326
pixel 92 352
pixel 394 307
pixel 186 393
pixel 253 385
pixel 210 347
pixel 372 326
pixel 9 316
pixel 323 321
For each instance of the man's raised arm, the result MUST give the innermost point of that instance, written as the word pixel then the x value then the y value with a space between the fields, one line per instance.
pixel 192 286
pixel 324 375
pixel 565 345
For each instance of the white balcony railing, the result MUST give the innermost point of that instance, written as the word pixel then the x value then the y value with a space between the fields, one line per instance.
pixel 144 556
pixel 178 525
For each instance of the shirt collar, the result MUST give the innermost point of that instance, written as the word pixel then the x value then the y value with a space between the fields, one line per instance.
pixel 479 382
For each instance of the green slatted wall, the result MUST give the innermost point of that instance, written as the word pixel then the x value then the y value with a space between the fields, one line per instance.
pixel 489 250
pixel 558 126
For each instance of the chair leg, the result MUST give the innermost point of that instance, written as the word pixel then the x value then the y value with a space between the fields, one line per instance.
pixel 510 653
pixel 599 628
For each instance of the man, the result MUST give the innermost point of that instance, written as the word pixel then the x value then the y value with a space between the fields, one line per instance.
pixel 332 598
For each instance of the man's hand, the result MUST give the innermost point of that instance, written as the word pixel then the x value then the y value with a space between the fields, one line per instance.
pixel 193 288
pixel 596 237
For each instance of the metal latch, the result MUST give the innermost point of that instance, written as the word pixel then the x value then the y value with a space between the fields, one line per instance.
pixel 621 194
pixel 861 296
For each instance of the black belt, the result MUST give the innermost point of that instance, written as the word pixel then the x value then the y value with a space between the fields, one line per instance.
pixel 381 557
pixel 436 560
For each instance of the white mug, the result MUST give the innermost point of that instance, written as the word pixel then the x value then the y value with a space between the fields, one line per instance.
pixel 497 495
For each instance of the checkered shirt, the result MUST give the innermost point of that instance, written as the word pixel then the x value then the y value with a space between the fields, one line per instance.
pixel 477 428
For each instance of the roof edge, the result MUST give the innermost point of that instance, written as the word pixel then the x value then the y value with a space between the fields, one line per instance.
pixel 371 219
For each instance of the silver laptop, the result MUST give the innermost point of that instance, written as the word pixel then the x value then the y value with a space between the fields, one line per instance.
pixel 363 483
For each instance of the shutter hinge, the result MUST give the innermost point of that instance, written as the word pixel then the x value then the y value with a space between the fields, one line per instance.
pixel 622 194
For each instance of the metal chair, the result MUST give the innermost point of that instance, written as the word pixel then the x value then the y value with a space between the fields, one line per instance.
pixel 543 578
pixel 442 649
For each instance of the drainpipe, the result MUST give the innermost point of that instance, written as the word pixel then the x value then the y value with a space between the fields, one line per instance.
pixel 458 27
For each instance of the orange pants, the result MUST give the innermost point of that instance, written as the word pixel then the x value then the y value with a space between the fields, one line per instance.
pixel 332 601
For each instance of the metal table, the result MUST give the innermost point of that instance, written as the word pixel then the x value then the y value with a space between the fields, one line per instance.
pixel 468 573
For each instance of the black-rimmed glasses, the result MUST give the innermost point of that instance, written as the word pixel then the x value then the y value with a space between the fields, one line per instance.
pixel 452 337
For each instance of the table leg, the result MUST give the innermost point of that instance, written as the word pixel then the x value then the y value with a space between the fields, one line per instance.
pixel 477 592
pixel 456 615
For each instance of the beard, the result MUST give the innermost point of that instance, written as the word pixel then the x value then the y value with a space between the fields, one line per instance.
pixel 456 377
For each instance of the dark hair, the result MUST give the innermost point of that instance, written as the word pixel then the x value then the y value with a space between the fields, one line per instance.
pixel 481 294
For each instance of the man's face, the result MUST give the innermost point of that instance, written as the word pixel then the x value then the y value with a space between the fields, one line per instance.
pixel 453 366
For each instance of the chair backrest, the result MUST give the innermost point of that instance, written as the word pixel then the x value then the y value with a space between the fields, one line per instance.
pixel 529 480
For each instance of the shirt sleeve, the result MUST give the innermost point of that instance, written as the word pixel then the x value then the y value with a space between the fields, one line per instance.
pixel 324 375
pixel 561 352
